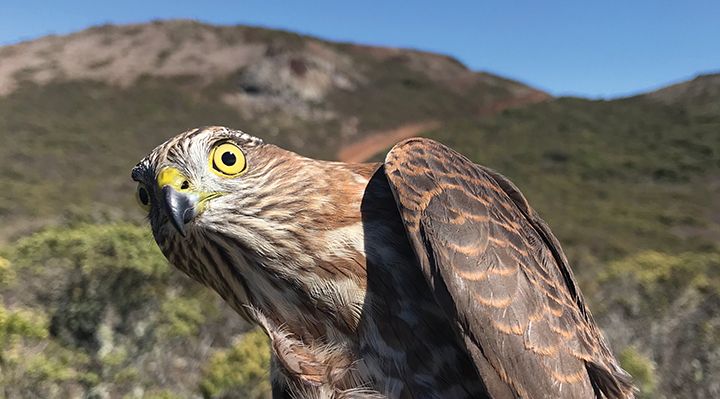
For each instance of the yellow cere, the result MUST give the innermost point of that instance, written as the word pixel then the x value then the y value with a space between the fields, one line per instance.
pixel 172 177
pixel 227 160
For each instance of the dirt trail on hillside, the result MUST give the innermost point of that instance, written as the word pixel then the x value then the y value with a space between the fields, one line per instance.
pixel 373 143
pixel 498 106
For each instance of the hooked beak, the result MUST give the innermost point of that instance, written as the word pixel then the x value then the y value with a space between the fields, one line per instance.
pixel 180 208
pixel 180 200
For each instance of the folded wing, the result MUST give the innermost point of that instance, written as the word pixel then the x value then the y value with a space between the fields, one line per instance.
pixel 500 275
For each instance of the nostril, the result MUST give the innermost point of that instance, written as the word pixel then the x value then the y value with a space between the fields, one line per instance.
pixel 185 185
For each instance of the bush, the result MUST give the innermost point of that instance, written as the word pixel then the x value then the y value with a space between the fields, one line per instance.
pixel 659 278
pixel 98 311
pixel 6 272
pixel 241 371
pixel 92 247
pixel 642 370
pixel 662 308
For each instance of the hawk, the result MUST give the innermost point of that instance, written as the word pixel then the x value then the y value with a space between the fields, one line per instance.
pixel 424 276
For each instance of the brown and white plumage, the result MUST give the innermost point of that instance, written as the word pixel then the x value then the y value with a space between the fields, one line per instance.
pixel 424 277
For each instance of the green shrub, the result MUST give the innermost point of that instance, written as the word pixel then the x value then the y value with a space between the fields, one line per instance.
pixel 16 324
pixel 660 278
pixel 81 271
pixel 181 317
pixel 7 274
pixel 241 371
pixel 158 394
pixel 642 369
pixel 26 371
pixel 109 314
pixel 91 247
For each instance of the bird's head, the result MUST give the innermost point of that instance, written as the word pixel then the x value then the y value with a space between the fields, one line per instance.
pixel 184 182
pixel 261 225
pixel 214 198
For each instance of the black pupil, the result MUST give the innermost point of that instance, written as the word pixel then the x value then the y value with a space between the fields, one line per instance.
pixel 143 194
pixel 228 158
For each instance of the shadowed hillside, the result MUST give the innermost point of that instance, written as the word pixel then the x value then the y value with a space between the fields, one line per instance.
pixel 630 186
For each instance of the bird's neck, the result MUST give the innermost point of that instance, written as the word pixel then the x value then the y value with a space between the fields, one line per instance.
pixel 314 283
pixel 300 268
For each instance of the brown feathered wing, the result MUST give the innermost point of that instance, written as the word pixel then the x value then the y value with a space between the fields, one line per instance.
pixel 500 275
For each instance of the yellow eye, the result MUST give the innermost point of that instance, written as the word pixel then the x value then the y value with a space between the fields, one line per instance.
pixel 227 160
pixel 143 196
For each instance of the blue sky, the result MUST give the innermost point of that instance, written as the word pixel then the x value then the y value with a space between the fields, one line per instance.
pixel 598 49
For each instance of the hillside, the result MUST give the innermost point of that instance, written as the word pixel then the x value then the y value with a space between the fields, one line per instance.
pixel 702 93
pixel 70 100
pixel 630 186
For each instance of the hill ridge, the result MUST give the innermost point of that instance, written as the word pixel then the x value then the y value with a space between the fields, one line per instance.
pixel 121 54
